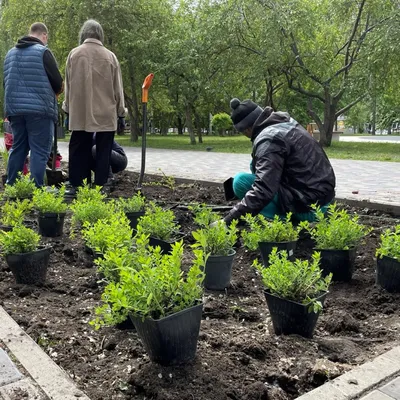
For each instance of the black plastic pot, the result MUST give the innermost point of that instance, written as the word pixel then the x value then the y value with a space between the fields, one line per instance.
pixel 126 325
pixel 6 228
pixel 338 262
pixel 289 317
pixel 51 224
pixel 218 271
pixel 173 339
pixel 388 273
pixel 134 217
pixel 166 246
pixel 29 268
pixel 266 249
pixel 93 253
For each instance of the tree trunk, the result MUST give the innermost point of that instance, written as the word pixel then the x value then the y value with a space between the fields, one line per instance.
pixel 269 93
pixel 133 133
pixel 135 130
pixel 180 125
pixel 390 129
pixel 189 124
pixel 373 128
pixel 198 127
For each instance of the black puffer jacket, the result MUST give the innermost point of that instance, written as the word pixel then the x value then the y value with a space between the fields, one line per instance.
pixel 287 161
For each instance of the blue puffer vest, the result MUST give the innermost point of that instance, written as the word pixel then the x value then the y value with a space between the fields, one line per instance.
pixel 27 88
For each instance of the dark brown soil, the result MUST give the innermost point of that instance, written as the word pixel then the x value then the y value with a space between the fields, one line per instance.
pixel 238 355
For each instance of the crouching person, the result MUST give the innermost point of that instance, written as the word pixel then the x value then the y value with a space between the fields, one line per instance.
pixel 289 170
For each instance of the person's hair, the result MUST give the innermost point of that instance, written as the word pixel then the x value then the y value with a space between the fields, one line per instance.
pixel 38 28
pixel 91 29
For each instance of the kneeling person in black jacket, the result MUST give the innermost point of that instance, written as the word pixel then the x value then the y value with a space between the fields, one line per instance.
pixel 290 170
pixel 118 159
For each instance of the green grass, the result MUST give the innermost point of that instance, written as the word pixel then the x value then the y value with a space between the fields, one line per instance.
pixel 240 144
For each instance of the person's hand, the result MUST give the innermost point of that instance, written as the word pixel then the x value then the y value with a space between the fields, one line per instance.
pixel 215 223
pixel 121 125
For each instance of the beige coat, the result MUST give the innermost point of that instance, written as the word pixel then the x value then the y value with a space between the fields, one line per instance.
pixel 94 94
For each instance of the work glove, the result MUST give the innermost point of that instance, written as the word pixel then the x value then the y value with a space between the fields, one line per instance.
pixel 121 125
pixel 66 122
pixel 215 223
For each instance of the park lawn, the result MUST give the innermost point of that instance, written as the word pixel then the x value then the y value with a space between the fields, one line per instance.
pixel 240 144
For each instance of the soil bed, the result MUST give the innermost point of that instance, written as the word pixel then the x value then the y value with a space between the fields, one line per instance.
pixel 238 355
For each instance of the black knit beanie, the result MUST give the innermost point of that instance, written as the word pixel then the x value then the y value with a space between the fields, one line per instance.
pixel 244 114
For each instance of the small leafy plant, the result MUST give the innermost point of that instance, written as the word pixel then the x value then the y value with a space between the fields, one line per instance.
pixel 390 244
pixel 22 188
pixel 4 158
pixel 87 193
pixel 264 230
pixel 19 240
pixel 337 230
pixel 153 286
pixel 217 240
pixel 134 204
pixel 110 233
pixel 203 216
pixel 158 223
pixel 90 207
pixel 13 212
pixel 298 281
pixel 50 201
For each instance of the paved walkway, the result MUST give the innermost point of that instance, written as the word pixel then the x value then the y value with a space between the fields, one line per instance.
pixel 390 391
pixel 371 139
pixel 374 181
pixel 26 371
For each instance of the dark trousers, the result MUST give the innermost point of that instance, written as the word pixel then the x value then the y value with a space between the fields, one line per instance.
pixel 80 157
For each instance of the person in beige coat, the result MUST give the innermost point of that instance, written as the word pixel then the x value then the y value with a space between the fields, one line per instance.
pixel 94 102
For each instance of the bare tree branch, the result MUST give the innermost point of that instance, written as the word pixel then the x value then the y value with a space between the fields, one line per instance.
pixel 353 103
pixel 313 114
pixel 298 88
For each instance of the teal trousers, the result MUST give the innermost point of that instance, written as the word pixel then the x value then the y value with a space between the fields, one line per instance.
pixel 243 182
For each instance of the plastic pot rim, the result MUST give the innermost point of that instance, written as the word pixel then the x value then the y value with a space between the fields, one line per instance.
pixel 52 214
pixel 390 258
pixel 172 240
pixel 40 249
pixel 231 253
pixel 284 242
pixel 327 250
pixel 322 294
pixel 185 310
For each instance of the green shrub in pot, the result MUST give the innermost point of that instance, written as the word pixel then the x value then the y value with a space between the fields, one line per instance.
pixel 27 261
pixel 217 242
pixel 158 223
pixel 19 240
pixel 263 230
pixel 295 292
pixel 89 207
pixel 388 260
pixel 23 188
pixel 14 212
pixel 204 216
pixel 336 235
pixel 133 204
pixel 109 233
pixel 390 244
pixel 50 201
pixel 336 230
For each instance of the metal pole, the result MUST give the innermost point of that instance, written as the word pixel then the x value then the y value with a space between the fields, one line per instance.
pixel 145 93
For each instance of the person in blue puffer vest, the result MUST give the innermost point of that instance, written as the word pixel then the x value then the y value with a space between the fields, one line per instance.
pixel 31 83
